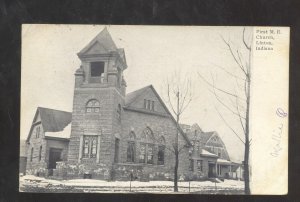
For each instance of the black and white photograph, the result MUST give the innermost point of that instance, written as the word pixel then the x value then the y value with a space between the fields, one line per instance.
pixel 154 109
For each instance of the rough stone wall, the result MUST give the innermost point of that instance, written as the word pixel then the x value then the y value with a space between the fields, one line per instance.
pixel 116 121
pixel 161 126
pixel 36 165
pixel 66 170
pixel 92 123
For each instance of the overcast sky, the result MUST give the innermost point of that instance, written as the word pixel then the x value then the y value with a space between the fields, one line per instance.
pixel 49 61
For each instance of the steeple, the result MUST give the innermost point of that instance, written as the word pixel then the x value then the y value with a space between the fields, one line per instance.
pixel 99 95
pixel 102 43
pixel 102 63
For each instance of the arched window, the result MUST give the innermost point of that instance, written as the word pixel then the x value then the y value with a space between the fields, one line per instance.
pixel 161 151
pixel 131 148
pixel 93 106
pixel 40 153
pixel 146 147
pixel 119 110
pixel 31 154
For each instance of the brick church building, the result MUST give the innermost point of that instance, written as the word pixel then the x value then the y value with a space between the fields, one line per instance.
pixel 113 135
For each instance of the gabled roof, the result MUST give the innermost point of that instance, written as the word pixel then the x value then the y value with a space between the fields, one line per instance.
pixel 52 120
pixel 201 136
pixel 65 133
pixel 131 97
pixel 205 136
pixel 103 38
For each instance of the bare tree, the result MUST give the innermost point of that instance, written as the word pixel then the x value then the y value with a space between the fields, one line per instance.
pixel 239 98
pixel 178 97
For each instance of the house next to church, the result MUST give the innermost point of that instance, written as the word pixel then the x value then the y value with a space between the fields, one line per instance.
pixel 113 135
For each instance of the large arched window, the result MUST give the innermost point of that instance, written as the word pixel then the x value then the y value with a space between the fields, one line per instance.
pixel 161 151
pixel 146 147
pixel 131 148
pixel 93 106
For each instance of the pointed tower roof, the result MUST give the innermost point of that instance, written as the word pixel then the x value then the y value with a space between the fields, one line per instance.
pixel 102 43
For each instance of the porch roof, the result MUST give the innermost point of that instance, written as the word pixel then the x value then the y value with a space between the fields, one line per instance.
pixel 64 134
pixel 223 161
pixel 207 153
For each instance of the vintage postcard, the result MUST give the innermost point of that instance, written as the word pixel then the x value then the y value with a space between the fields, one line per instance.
pixel 154 109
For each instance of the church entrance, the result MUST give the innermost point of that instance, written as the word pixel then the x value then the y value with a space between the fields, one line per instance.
pixel 54 156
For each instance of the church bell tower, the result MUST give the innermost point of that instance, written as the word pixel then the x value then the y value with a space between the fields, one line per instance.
pixel 98 100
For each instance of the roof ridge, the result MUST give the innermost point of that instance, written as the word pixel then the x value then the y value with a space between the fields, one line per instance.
pixel 53 109
pixel 137 96
pixel 140 88
pixel 103 38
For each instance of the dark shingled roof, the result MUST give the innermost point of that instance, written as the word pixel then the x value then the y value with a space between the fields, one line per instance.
pixel 131 97
pixel 204 137
pixel 52 120
pixel 201 136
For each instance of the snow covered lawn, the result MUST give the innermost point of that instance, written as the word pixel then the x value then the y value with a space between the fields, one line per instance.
pixel 30 183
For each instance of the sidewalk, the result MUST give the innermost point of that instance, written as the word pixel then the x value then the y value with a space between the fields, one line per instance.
pixel 31 183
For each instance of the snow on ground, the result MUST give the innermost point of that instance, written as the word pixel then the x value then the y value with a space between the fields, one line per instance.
pixel 93 185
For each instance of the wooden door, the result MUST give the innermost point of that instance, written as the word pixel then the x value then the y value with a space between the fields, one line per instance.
pixel 54 156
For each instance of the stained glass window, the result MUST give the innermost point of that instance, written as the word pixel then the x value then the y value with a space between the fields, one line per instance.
pixel 161 151
pixel 142 155
pixel 90 146
pixel 146 147
pixel 131 148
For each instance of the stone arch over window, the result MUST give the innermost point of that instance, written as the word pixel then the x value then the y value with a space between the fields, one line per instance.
pixel 146 146
pixel 147 136
pixel 92 106
pixel 131 147
pixel 161 151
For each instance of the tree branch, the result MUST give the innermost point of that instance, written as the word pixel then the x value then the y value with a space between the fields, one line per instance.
pixel 237 77
pixel 169 99
pixel 227 107
pixel 229 126
pixel 234 57
pixel 247 46
pixel 221 90
pixel 240 118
